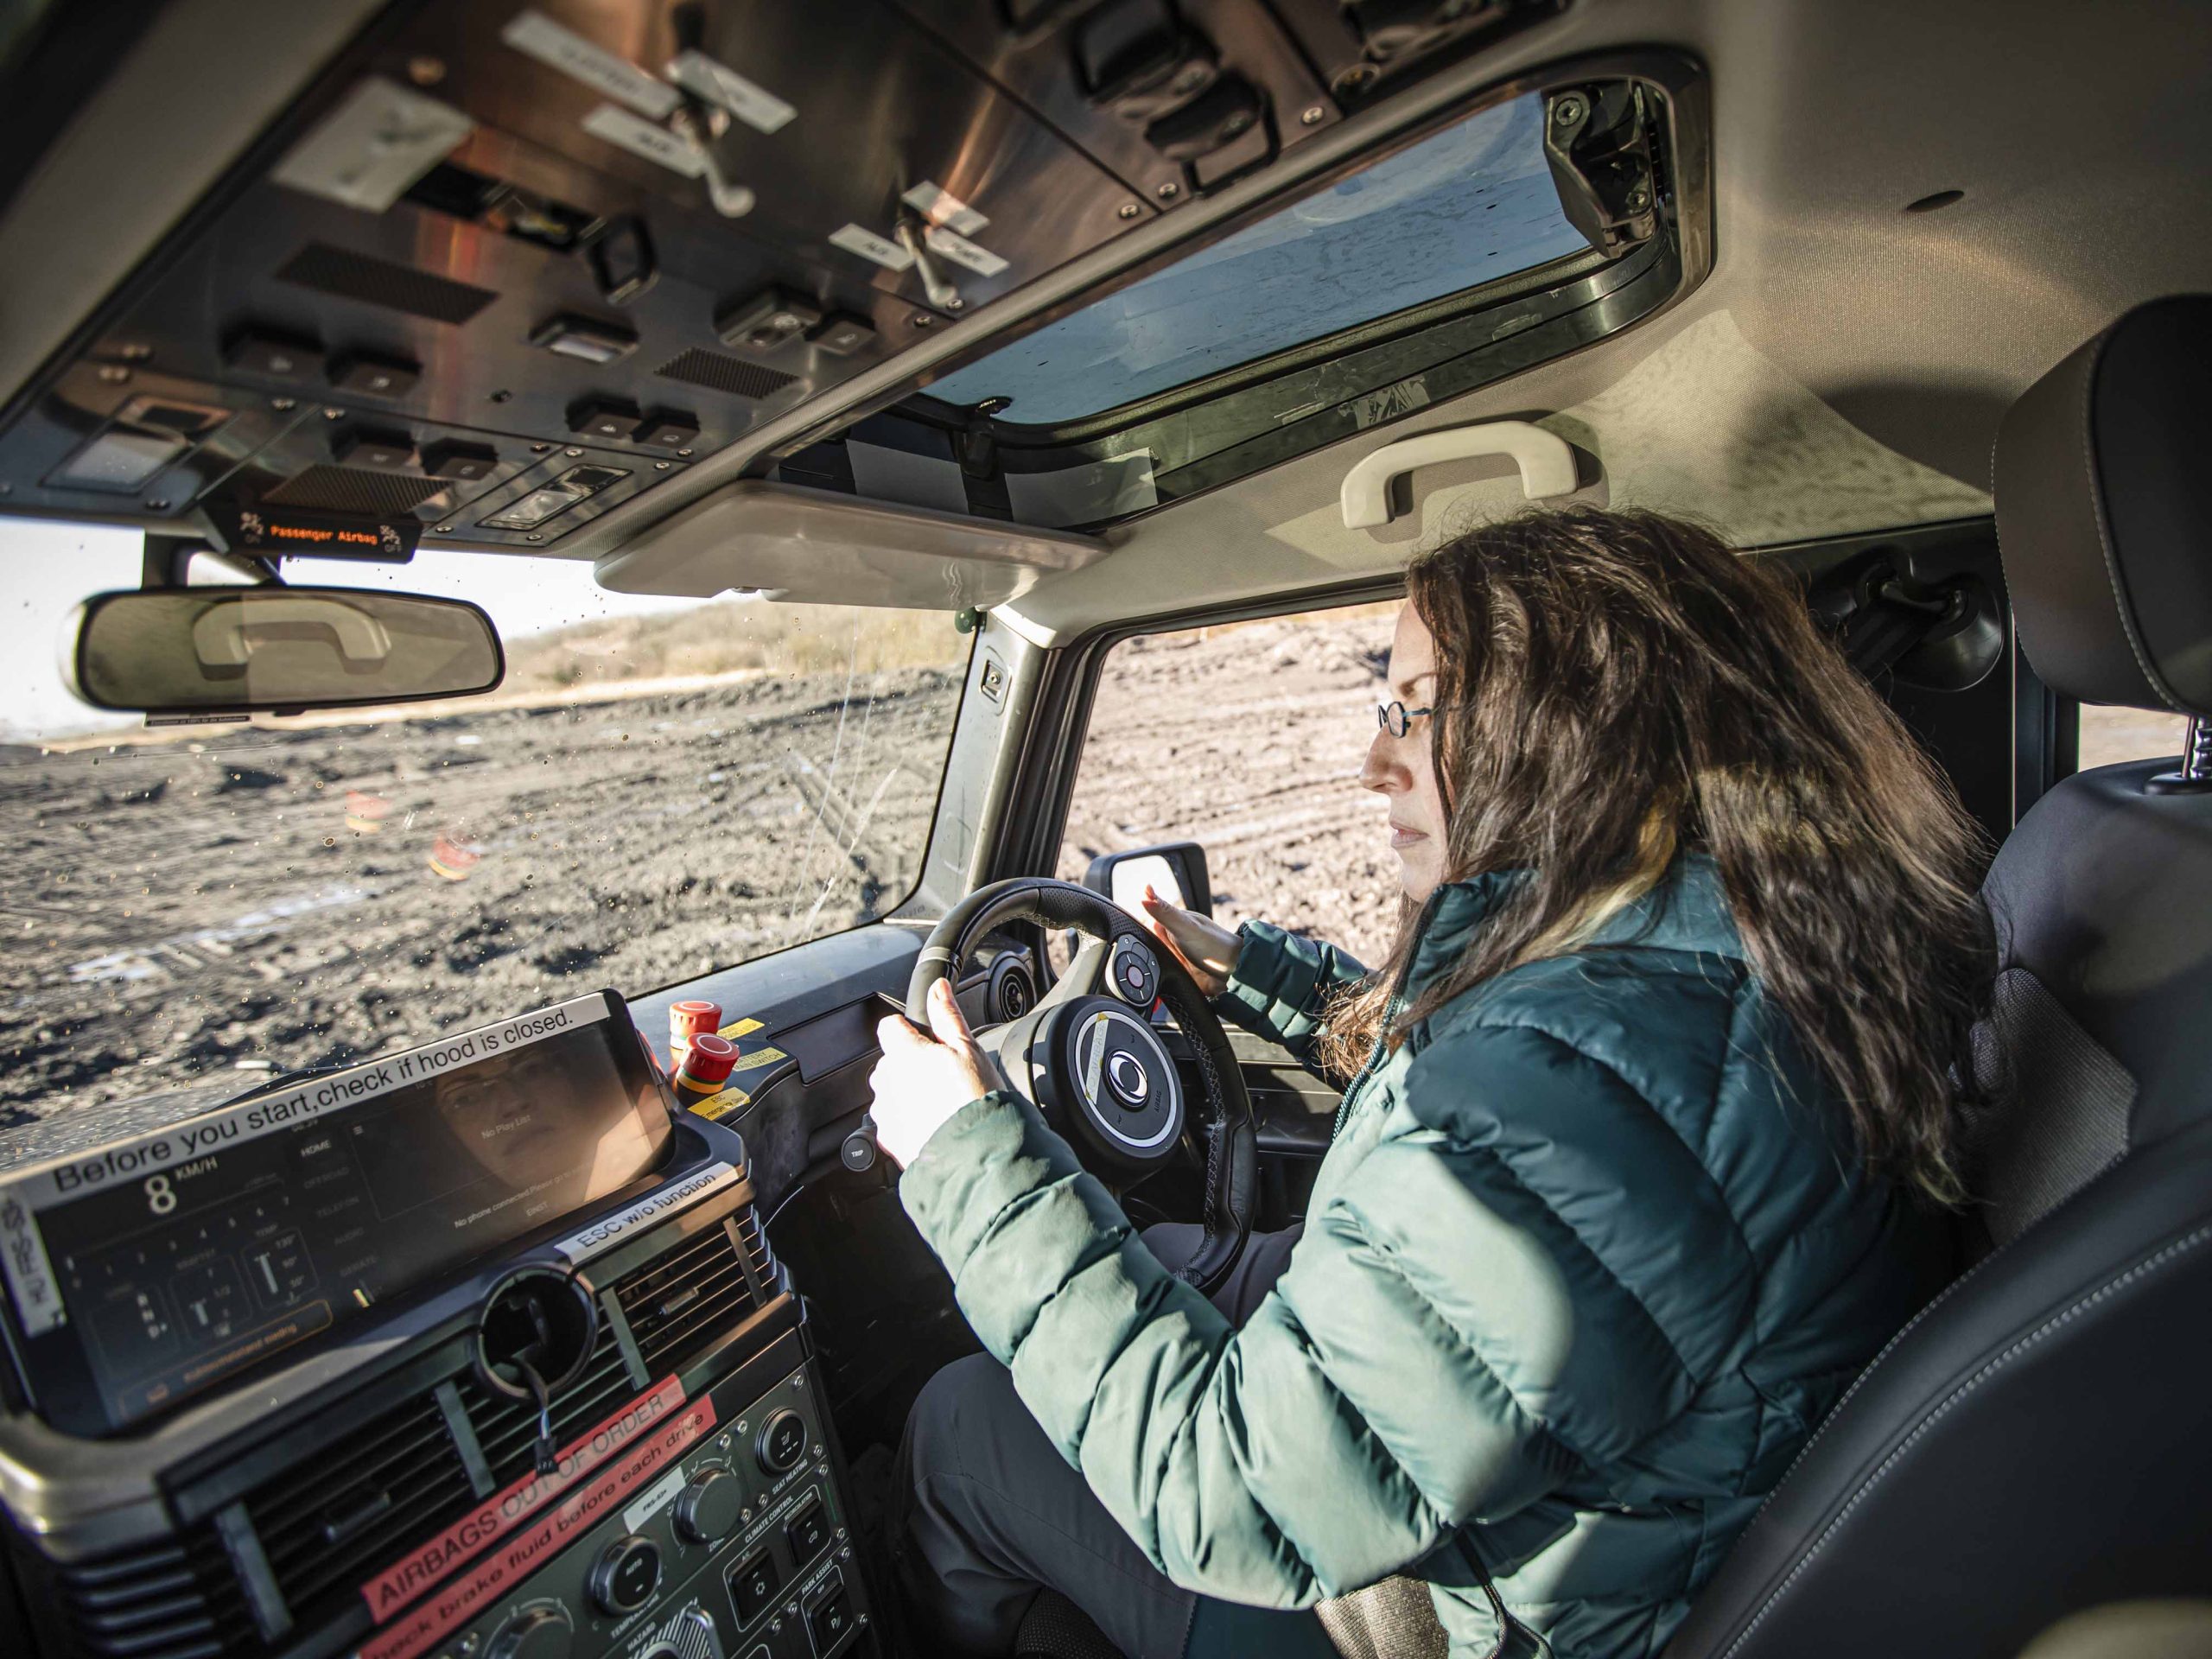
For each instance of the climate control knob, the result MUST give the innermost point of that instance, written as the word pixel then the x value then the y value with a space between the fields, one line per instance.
pixel 707 1510
pixel 782 1442
pixel 541 1632
pixel 625 1575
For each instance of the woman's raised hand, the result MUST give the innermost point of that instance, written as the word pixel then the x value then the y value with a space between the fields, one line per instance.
pixel 1205 948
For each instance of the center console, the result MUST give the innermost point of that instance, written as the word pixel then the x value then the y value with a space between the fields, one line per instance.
pixel 485 1361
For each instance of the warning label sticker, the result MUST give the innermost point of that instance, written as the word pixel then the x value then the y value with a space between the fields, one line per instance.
pixel 504 1569
pixel 940 206
pixel 759 1058
pixel 611 1230
pixel 40 1186
pixel 962 251
pixel 641 137
pixel 719 84
pixel 391 1590
pixel 721 1105
pixel 538 36
pixel 855 239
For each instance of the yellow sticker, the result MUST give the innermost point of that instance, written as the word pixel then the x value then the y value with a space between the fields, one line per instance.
pixel 716 1105
pixel 758 1057
pixel 742 1028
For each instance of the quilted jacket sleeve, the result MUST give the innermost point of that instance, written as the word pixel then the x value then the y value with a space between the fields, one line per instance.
pixel 1281 983
pixel 1456 1334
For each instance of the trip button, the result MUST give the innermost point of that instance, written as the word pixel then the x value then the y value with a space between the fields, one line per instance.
pixel 782 1442
pixel 828 1621
pixel 627 1575
pixel 808 1531
pixel 753 1586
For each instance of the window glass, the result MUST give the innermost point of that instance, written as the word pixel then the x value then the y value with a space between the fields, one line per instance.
pixel 2110 735
pixel 660 789
pixel 1463 207
pixel 1248 738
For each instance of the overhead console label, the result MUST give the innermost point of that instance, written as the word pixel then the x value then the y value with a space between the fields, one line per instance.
pixel 610 1230
pixel 391 1590
pixel 540 37
pixel 504 1569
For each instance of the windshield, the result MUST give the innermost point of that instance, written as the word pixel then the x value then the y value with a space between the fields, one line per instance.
pixel 1459 210
pixel 661 788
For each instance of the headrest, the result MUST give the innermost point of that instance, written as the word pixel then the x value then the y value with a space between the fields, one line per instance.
pixel 2101 479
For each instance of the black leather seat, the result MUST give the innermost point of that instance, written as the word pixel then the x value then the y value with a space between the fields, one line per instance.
pixel 2040 1439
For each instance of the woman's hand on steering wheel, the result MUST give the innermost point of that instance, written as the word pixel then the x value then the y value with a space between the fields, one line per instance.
pixel 924 1077
pixel 1207 950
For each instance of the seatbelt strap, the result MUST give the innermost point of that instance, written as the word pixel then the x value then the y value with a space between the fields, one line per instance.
pixel 1515 1639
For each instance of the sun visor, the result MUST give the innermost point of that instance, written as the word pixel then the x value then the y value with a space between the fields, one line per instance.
pixel 821 547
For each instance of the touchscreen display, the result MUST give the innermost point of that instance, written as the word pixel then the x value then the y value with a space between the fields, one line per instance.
pixel 177 1259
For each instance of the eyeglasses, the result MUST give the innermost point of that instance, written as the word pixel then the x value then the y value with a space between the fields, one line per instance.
pixel 1396 719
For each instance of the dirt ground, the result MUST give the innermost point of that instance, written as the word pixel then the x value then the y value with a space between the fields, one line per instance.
pixel 293 899
pixel 1247 741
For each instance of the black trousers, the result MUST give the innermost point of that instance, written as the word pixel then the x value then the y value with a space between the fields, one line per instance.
pixel 989 1512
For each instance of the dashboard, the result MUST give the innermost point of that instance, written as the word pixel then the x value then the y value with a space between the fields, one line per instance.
pixel 478 1349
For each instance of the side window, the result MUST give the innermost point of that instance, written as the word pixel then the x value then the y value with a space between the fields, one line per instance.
pixel 2110 735
pixel 660 788
pixel 1247 738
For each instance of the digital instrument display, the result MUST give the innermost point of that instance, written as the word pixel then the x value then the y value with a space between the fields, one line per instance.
pixel 156 1268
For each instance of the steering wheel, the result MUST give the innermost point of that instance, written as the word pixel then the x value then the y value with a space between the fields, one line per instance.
pixel 1088 1057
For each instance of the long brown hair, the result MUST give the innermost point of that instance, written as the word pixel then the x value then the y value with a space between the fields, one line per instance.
pixel 1614 687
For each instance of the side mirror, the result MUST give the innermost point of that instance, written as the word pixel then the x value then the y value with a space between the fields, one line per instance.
pixel 190 651
pixel 1176 870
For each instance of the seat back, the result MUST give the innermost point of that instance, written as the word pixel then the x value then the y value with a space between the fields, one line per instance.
pixel 2037 1441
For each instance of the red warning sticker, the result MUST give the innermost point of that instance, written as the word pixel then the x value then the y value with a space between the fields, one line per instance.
pixel 505 1568
pixel 499 1514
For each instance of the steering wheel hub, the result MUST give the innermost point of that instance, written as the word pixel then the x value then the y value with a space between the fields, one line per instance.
pixel 1107 1074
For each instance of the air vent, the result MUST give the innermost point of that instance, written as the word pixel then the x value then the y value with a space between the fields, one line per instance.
pixel 721 373
pixel 379 282
pixel 172 1601
pixel 330 1521
pixel 354 489
pixel 693 1296
pixel 506 1430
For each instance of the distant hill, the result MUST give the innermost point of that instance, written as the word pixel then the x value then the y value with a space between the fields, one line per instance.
pixel 730 635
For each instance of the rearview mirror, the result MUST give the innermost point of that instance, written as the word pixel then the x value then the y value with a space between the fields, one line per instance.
pixel 239 649
pixel 1176 870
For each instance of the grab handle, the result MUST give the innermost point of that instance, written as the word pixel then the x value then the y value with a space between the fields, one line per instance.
pixel 1547 465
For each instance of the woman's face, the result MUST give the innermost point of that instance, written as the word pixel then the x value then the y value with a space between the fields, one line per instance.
pixel 1403 771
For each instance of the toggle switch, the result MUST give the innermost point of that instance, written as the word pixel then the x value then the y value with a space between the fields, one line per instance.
pixel 466 462
pixel 604 417
pixel 374 376
pixel 361 447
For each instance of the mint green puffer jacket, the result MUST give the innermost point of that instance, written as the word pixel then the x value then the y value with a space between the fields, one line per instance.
pixel 1587 1262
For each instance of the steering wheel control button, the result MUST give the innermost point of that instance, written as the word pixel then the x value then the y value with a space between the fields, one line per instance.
pixel 753 1586
pixel 532 1633
pixel 1131 974
pixel 625 1575
pixel 782 1442
pixel 807 1532
pixel 707 1510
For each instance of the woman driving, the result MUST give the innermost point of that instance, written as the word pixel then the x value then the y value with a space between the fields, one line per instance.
pixel 1651 1125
